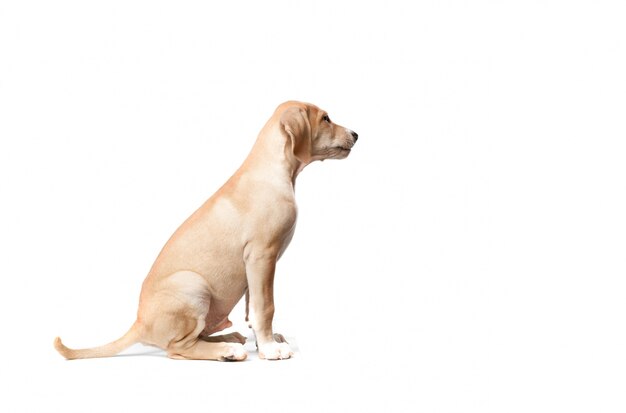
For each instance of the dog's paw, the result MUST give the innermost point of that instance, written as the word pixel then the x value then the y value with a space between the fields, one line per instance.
pixel 233 352
pixel 234 338
pixel 239 337
pixel 225 338
pixel 275 350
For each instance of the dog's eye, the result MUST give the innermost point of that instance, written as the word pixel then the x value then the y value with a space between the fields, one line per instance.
pixel 326 118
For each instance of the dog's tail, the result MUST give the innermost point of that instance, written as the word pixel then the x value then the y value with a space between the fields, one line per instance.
pixel 108 350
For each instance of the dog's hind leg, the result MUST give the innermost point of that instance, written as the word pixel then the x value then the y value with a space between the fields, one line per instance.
pixel 174 314
pixel 203 350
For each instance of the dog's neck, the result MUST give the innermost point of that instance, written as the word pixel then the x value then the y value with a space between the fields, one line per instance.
pixel 272 159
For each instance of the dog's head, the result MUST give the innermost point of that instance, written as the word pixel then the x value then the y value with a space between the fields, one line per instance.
pixel 312 135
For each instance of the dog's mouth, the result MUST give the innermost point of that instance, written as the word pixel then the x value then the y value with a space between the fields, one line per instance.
pixel 340 152
pixel 336 152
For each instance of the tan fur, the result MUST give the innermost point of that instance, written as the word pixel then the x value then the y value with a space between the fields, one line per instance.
pixel 229 247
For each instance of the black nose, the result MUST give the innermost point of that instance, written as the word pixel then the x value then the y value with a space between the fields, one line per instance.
pixel 355 136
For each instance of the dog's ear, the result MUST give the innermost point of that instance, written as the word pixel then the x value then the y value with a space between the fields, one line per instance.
pixel 295 124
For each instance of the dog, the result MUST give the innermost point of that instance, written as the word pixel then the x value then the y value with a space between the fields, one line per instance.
pixel 229 247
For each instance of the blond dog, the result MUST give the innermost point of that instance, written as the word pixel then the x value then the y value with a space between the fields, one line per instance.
pixel 228 248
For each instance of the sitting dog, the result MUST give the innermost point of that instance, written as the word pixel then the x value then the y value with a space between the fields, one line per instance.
pixel 228 248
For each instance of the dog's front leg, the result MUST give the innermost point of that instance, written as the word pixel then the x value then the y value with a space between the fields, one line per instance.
pixel 260 275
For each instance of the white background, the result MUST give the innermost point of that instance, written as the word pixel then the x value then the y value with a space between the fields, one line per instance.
pixel 469 256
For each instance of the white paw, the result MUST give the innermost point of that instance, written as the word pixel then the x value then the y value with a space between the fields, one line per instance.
pixel 275 351
pixel 233 352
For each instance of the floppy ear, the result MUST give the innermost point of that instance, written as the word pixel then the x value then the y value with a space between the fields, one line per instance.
pixel 295 123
